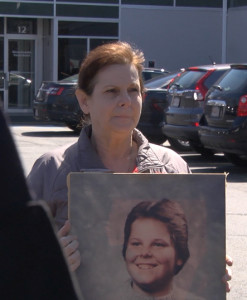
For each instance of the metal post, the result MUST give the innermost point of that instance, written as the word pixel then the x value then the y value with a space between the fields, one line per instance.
pixel 224 31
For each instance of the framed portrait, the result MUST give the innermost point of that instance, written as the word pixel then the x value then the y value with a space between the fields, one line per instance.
pixel 149 236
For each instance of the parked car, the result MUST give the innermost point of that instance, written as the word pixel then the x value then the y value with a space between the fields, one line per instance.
pixel 56 101
pixel 224 126
pixel 186 96
pixel 150 73
pixel 155 101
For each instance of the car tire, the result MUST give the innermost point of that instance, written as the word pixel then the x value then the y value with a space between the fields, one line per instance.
pixel 236 159
pixel 206 153
pixel 179 145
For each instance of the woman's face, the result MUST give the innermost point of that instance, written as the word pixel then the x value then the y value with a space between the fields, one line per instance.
pixel 150 256
pixel 116 101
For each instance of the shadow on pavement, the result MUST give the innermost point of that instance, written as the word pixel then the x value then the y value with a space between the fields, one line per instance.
pixel 50 134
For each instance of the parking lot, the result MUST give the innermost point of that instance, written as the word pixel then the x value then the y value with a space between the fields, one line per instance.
pixel 32 141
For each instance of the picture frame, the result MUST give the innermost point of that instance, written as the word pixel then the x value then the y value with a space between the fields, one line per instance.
pixel 98 206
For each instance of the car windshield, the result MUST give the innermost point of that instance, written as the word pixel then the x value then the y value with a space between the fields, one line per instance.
pixel 70 79
pixel 188 79
pixel 234 81
pixel 161 82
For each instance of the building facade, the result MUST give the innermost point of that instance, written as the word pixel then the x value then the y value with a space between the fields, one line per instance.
pixel 47 39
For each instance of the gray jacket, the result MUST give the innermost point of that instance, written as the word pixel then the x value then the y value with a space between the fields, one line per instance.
pixel 48 177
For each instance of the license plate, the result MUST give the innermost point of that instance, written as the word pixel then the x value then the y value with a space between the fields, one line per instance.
pixel 176 101
pixel 215 112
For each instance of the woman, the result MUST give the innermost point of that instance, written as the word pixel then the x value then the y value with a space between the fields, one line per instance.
pixel 155 249
pixel 110 90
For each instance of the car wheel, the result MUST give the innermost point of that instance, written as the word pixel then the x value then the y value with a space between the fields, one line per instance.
pixel 206 153
pixel 74 126
pixel 179 145
pixel 236 159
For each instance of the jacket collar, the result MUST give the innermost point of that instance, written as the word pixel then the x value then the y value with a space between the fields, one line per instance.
pixel 146 160
pixel 88 157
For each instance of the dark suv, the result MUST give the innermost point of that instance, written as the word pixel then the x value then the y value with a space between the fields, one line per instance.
pixel 224 126
pixel 154 103
pixel 187 94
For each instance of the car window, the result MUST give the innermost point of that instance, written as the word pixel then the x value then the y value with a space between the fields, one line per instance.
pixel 234 81
pixel 147 74
pixel 160 82
pixel 213 77
pixel 188 79
pixel 70 79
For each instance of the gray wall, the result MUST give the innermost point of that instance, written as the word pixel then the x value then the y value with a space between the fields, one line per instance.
pixel 174 37
pixel 237 35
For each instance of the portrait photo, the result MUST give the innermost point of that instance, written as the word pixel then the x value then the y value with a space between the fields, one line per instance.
pixel 149 236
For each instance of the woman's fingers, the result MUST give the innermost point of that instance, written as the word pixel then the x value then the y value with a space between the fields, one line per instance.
pixel 70 246
pixel 228 274
pixel 63 231
pixel 74 260
pixel 229 260
pixel 227 283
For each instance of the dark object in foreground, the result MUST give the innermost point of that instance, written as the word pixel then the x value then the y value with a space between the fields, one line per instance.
pixel 31 262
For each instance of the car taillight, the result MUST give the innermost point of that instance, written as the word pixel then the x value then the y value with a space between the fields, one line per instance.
pixel 156 106
pixel 198 95
pixel 242 106
pixel 55 91
pixel 201 90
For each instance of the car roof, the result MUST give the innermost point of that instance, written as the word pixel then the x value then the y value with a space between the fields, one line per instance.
pixel 209 67
pixel 159 81
pixel 239 66
pixel 155 70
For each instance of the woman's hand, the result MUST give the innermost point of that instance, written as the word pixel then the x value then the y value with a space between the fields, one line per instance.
pixel 70 246
pixel 228 275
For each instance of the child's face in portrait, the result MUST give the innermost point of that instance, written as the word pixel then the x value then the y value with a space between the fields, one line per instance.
pixel 151 256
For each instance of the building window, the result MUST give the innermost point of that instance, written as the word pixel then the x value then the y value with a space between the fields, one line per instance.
pixel 92 1
pixel 148 2
pixel 22 26
pixel 71 52
pixel 199 3
pixel 1 65
pixel 88 28
pixel 87 11
pixel 97 42
pixel 236 3
pixel 1 26
pixel 26 9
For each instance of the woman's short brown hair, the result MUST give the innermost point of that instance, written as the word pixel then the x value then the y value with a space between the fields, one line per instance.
pixel 172 215
pixel 106 55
